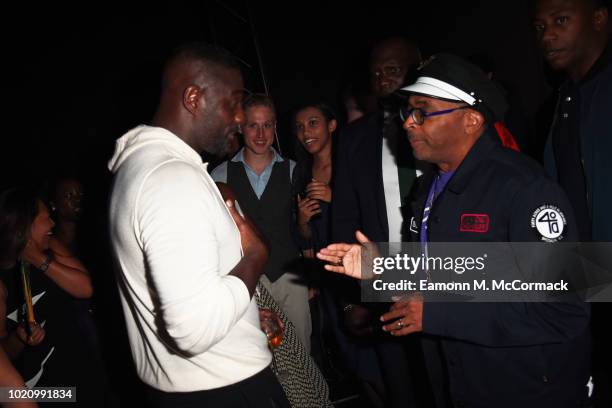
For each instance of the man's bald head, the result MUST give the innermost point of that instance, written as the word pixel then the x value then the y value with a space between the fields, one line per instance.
pixel 390 62
pixel 195 64
pixel 404 47
pixel 201 96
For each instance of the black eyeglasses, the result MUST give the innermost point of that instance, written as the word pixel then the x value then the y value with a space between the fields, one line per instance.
pixel 418 115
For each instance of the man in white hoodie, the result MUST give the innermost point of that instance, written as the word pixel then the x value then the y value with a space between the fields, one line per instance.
pixel 188 262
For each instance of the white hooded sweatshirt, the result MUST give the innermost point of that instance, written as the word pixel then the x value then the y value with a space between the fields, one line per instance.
pixel 191 326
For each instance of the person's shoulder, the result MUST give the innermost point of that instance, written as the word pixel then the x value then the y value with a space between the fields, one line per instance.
pixel 518 179
pixel 524 181
pixel 516 166
pixel 151 160
pixel 176 166
pixel 219 173
pixel 220 166
pixel 364 133
pixel 173 174
pixel 363 125
pixel 175 184
pixel 604 82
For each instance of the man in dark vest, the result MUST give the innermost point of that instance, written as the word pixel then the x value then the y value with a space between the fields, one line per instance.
pixel 261 179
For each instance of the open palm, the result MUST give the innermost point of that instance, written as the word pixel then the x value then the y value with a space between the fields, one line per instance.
pixel 346 258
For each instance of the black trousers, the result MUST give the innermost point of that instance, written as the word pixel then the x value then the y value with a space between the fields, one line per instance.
pixel 261 390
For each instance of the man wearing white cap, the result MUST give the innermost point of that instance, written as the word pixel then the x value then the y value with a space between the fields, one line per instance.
pixel 495 354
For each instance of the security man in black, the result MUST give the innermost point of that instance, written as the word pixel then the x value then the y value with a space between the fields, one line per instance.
pixel 519 354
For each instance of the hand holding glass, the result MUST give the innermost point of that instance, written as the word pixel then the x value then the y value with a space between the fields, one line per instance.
pixel 272 326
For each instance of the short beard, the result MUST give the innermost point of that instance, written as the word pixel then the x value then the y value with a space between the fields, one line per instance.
pixel 218 146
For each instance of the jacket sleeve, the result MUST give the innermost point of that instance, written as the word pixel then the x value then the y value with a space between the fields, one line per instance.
pixel 176 217
pixel 519 323
pixel 219 173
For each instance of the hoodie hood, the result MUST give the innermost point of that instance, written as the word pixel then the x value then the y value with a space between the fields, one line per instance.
pixel 144 136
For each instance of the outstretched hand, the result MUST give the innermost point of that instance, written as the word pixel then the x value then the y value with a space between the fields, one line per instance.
pixel 346 258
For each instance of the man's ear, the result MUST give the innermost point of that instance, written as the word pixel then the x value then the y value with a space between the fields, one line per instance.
pixel 600 19
pixel 331 126
pixel 473 121
pixel 193 98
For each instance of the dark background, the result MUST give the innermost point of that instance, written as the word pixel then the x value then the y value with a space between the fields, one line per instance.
pixel 78 79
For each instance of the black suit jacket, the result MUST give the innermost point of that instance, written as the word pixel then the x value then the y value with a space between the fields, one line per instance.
pixel 358 199
pixel 358 191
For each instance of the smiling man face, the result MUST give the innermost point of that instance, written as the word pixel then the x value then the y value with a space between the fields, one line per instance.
pixel 259 130
pixel 391 60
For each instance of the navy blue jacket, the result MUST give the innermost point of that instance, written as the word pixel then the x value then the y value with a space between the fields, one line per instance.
pixel 595 127
pixel 504 354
